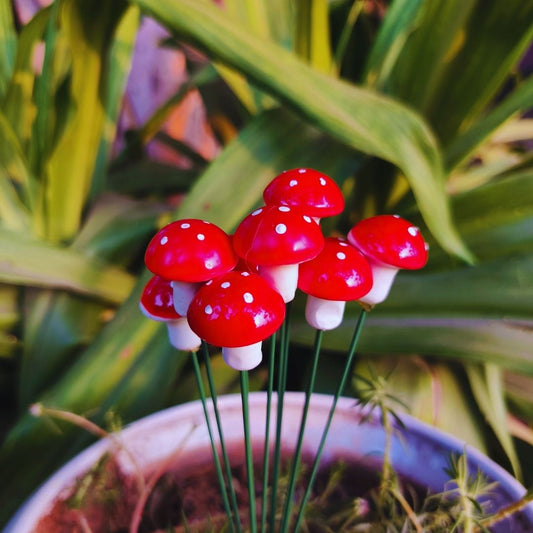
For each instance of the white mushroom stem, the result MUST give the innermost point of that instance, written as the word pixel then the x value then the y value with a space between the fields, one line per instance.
pixel 181 336
pixel 323 314
pixel 243 357
pixel 183 292
pixel 383 277
pixel 282 278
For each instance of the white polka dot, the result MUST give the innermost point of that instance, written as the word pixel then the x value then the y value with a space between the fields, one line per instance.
pixel 225 285
pixel 308 219
pixel 185 225
pixel 343 243
pixel 301 171
pixel 247 297
pixel 341 255
pixel 413 231
pixel 209 282
pixel 426 246
pixel 200 237
pixel 396 216
pixel 284 209
pixel 209 264
pixel 164 240
pixel 322 181
pixel 206 222
pixel 281 229
pixel 245 274
pixel 208 310
pixel 293 183
pixel 256 212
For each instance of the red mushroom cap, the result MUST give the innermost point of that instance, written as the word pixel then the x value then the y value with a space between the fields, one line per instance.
pixel 390 240
pixel 277 235
pixel 190 250
pixel 309 189
pixel 156 300
pixel 340 272
pixel 236 309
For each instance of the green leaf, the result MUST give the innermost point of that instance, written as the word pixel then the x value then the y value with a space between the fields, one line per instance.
pixel 432 392
pixel 457 336
pixel 273 141
pixel 115 77
pixel 88 26
pixel 492 41
pixel 401 19
pixel 487 386
pixel 8 44
pixel 360 118
pixel 521 99
pixel 24 261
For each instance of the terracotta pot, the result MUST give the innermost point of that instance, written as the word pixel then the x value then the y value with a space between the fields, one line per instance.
pixel 419 455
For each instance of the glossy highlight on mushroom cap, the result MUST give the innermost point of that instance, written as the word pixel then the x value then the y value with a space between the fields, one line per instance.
pixel 277 235
pixel 390 240
pixel 340 272
pixel 307 188
pixel 156 300
pixel 190 250
pixel 236 309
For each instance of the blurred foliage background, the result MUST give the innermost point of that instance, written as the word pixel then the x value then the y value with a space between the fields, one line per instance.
pixel 118 117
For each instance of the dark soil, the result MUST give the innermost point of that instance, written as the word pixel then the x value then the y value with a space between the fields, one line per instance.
pixel 104 500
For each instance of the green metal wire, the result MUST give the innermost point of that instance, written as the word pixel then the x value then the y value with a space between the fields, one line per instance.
pixel 225 459
pixel 282 382
pixel 287 508
pixel 248 450
pixel 266 452
pixel 338 393
pixel 216 459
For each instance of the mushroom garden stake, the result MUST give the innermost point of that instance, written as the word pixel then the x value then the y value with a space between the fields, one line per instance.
pixel 338 274
pixel 317 194
pixel 189 252
pixel 390 243
pixel 237 311
pixel 157 303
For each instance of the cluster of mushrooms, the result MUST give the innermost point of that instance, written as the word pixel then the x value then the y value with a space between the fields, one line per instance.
pixel 231 290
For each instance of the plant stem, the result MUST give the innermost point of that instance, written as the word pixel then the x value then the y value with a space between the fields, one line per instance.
pixel 282 382
pixel 266 452
pixel 216 460
pixel 504 513
pixel 227 465
pixel 338 393
pixel 287 510
pixel 386 471
pixel 248 450
pixel 408 510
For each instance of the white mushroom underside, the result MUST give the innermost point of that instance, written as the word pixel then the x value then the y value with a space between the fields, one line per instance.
pixel 183 293
pixel 282 278
pixel 323 314
pixel 243 357
pixel 181 336
pixel 383 277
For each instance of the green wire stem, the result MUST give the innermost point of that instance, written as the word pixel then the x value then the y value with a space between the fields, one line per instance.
pixel 218 468
pixel 282 383
pixel 287 509
pixel 266 452
pixel 225 459
pixel 338 393
pixel 248 450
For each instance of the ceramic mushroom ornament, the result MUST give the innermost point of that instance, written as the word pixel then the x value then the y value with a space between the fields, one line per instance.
pixel 189 252
pixel 339 273
pixel 278 239
pixel 390 243
pixel 237 311
pixel 157 303
pixel 317 194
